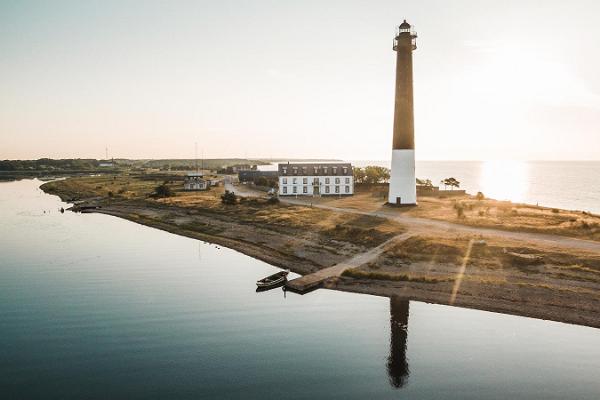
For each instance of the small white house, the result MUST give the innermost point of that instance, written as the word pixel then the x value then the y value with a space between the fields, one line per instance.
pixel 195 181
pixel 316 179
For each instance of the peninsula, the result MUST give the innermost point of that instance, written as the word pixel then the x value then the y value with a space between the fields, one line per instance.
pixel 464 251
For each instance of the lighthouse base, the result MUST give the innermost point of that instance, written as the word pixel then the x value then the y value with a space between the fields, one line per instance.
pixel 403 183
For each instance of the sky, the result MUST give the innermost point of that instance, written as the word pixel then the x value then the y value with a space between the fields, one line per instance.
pixel 300 79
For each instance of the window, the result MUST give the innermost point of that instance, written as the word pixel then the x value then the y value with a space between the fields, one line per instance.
pixel 285 181
pixel 285 171
pixel 316 170
pixel 304 170
pixel 294 180
pixel 325 170
pixel 295 170
pixel 337 189
pixel 305 180
pixel 327 181
pixel 337 181
pixel 335 170
pixel 285 190
pixel 326 189
pixel 304 189
pixel 345 170
pixel 347 181
pixel 315 181
pixel 347 189
pixel 295 189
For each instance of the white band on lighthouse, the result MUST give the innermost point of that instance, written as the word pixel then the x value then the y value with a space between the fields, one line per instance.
pixel 403 190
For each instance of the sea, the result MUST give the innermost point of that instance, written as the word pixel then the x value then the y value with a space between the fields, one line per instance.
pixel 96 307
pixel 570 185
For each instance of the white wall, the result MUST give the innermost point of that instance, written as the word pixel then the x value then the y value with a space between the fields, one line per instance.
pixel 309 185
pixel 402 179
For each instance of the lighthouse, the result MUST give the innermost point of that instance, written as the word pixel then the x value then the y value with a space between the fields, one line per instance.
pixel 402 189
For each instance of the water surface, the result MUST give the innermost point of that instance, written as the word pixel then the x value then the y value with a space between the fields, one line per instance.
pixel 96 307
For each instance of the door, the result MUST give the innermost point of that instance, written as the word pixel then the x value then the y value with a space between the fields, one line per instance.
pixel 398 200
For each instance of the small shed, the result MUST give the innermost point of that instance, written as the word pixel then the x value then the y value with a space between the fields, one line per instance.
pixel 195 181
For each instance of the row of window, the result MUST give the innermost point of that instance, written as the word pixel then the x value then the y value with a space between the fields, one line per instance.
pixel 305 189
pixel 334 170
pixel 315 181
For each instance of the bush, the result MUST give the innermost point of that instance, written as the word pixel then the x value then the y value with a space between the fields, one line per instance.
pixel 163 191
pixel 228 197
pixel 273 200
pixel 479 196
pixel 261 181
pixel 555 210
pixel 460 210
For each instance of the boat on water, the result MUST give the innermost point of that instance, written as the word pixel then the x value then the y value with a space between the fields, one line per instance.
pixel 273 280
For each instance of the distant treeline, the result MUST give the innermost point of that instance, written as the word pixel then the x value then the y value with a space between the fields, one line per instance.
pixel 190 164
pixel 48 164
pixel 90 164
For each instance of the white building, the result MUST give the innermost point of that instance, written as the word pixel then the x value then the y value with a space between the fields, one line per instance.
pixel 195 181
pixel 316 179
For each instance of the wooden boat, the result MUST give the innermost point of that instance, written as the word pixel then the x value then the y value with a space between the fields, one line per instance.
pixel 273 280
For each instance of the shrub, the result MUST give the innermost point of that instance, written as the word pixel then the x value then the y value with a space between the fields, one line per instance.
pixel 555 210
pixel 479 196
pixel 273 200
pixel 163 191
pixel 460 210
pixel 228 197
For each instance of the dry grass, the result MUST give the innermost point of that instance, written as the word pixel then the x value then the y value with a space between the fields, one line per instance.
pixel 487 213
pixel 365 231
pixel 398 277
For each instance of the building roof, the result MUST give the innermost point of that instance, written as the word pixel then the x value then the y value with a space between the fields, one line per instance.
pixel 315 169
pixel 405 25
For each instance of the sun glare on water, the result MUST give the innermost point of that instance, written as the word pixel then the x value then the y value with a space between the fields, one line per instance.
pixel 505 180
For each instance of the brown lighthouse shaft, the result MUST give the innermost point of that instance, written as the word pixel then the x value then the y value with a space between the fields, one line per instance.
pixel 404 125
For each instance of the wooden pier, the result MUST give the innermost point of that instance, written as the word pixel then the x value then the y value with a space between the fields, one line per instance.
pixel 312 281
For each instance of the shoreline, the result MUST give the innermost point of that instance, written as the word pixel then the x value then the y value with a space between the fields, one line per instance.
pixel 369 287
pixel 576 304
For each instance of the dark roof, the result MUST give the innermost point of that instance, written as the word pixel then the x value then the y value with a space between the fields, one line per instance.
pixel 405 25
pixel 308 169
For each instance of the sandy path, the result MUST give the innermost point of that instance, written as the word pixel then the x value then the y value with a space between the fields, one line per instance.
pixel 433 225
pixel 313 279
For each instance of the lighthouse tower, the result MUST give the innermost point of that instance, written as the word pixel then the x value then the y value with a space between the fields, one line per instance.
pixel 402 180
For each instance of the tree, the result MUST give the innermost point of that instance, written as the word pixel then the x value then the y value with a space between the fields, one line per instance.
pixel 163 191
pixel 261 181
pixel 452 182
pixel 424 182
pixel 376 174
pixel 359 174
pixel 228 197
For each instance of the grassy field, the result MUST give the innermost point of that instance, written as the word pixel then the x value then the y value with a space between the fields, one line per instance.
pixel 467 210
pixel 364 231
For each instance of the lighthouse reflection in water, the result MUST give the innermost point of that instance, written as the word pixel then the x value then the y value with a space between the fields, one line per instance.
pixel 397 364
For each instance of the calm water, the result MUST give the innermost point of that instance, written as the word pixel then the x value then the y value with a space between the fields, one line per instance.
pixel 93 307
pixel 570 185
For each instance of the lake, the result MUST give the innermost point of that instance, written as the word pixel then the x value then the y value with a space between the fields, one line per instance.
pixel 95 307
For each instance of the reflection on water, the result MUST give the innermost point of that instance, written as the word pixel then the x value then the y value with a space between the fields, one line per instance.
pixel 397 364
pixel 97 307
pixel 505 180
